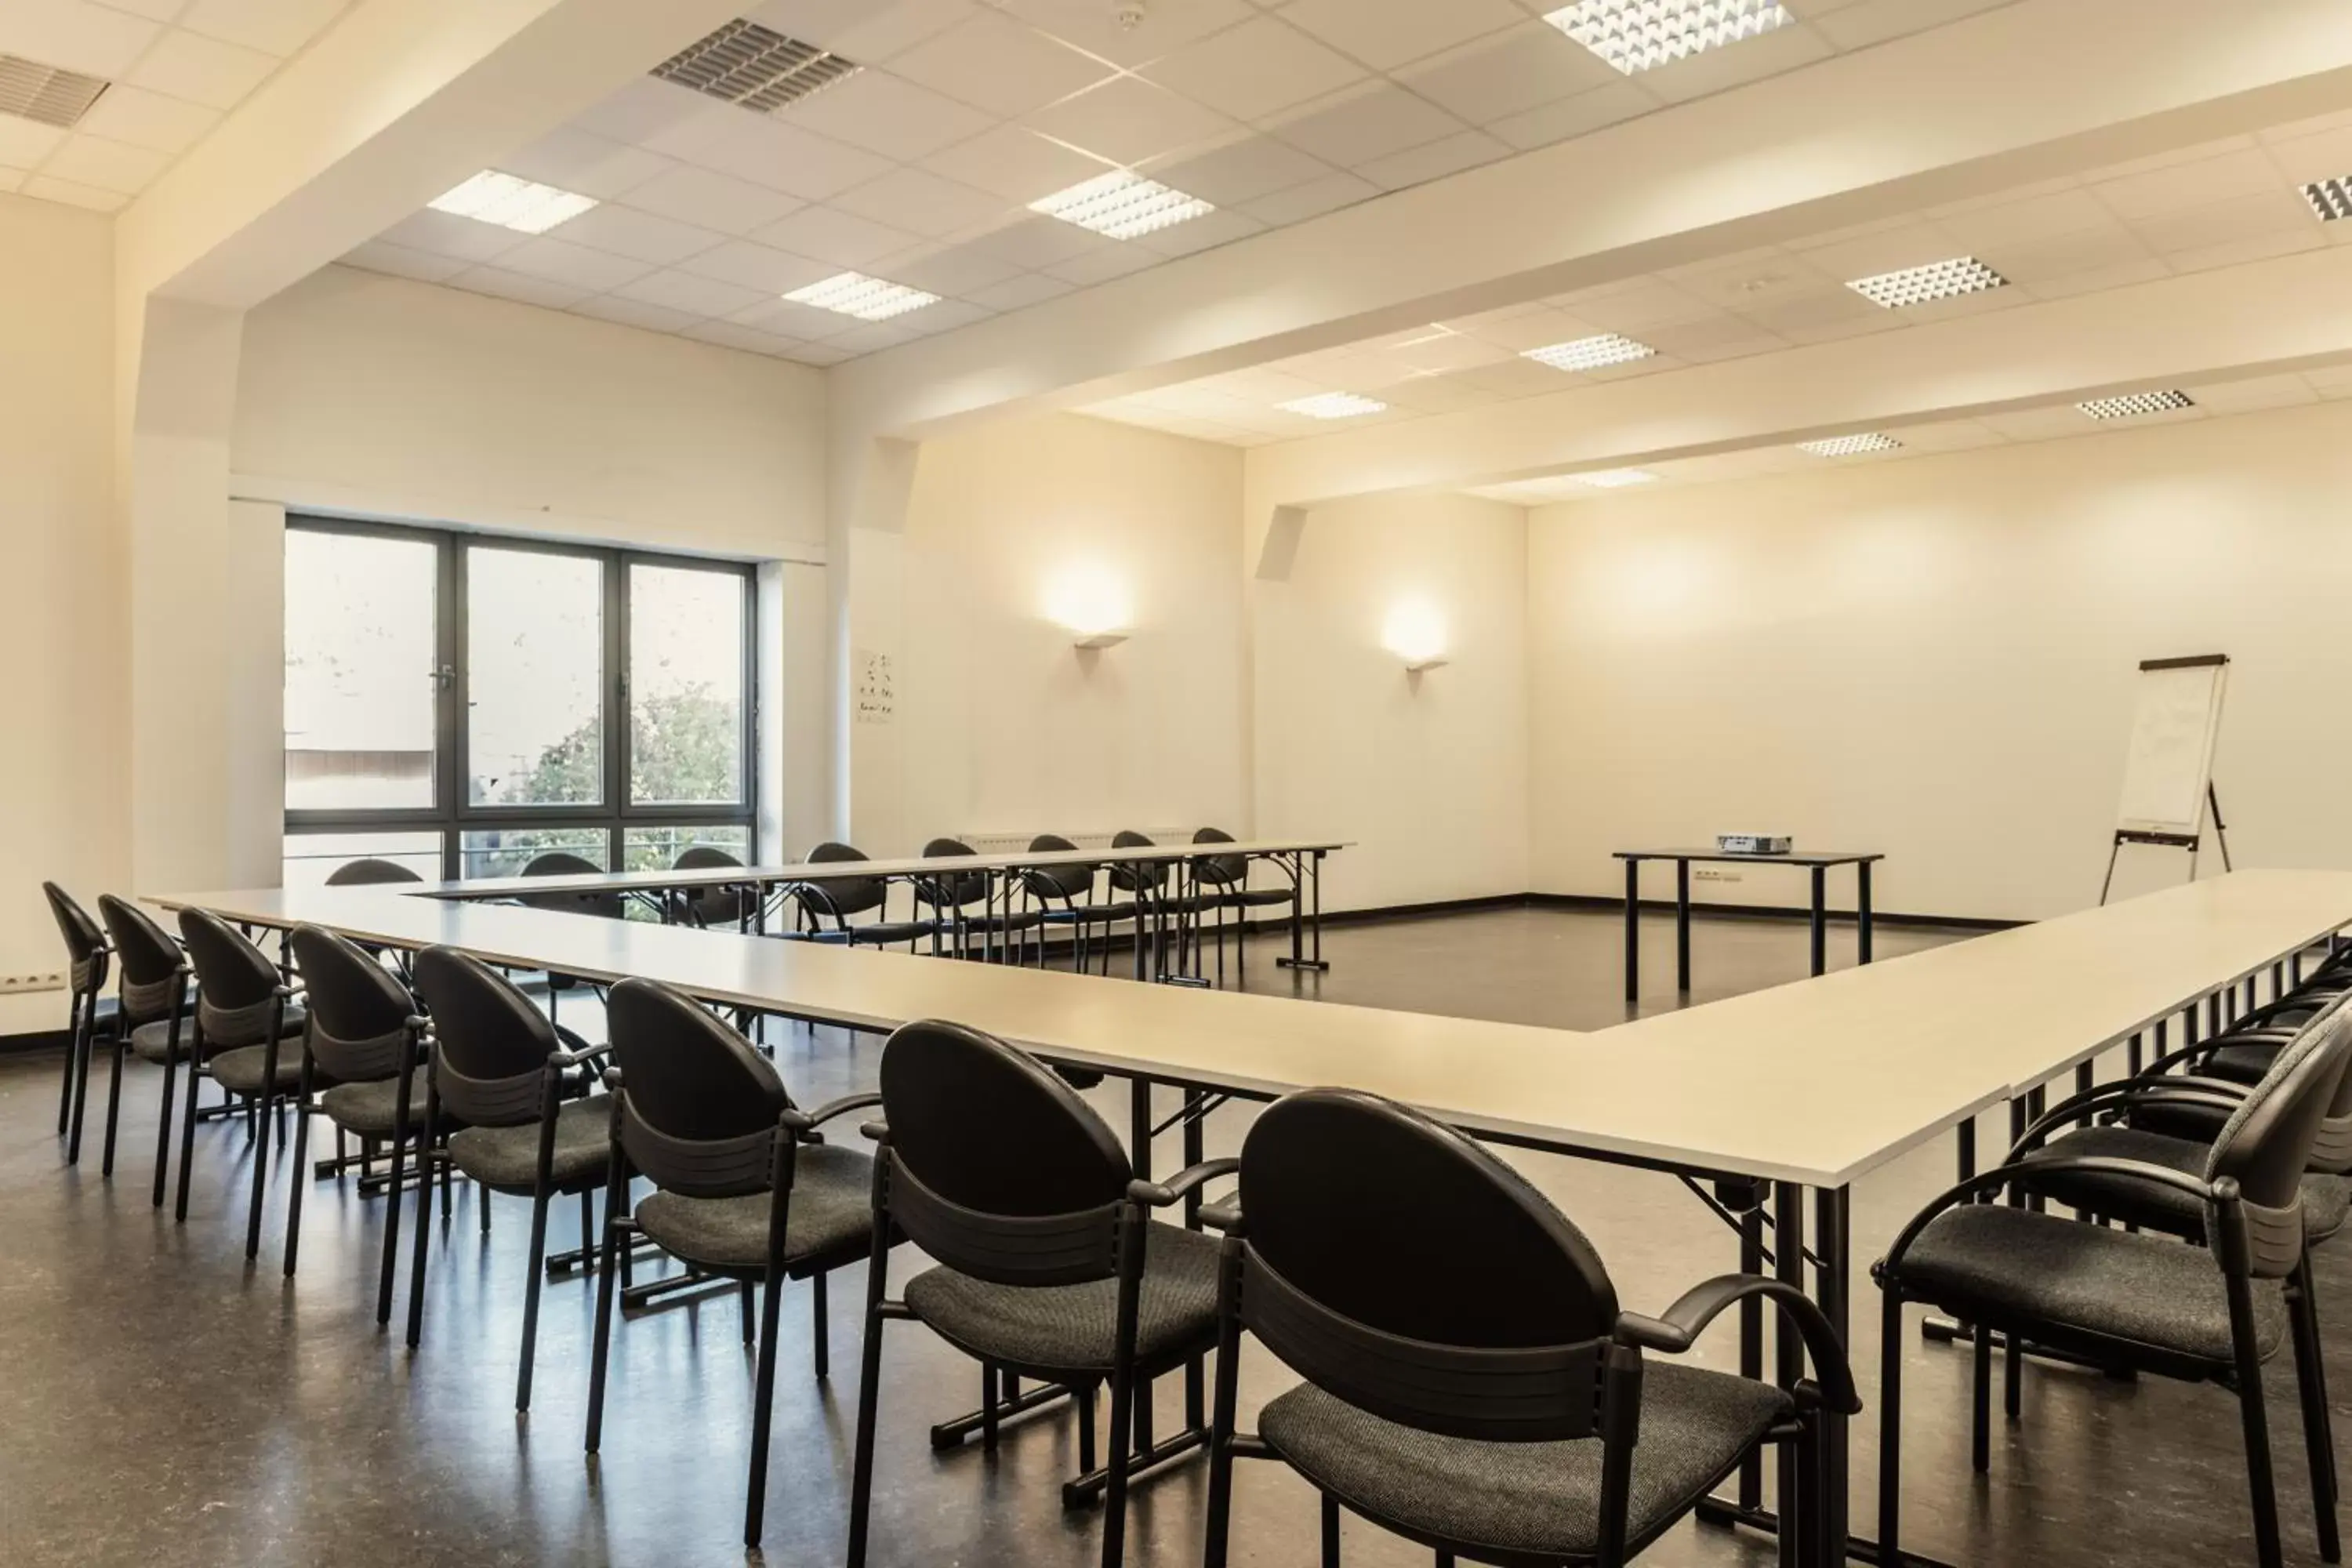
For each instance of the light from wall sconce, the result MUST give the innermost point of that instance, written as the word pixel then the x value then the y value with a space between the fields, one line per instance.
pixel 1092 603
pixel 1415 632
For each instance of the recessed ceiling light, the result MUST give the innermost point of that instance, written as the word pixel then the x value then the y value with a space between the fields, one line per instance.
pixel 523 206
pixel 2136 402
pixel 1121 204
pixel 867 299
pixel 1614 478
pixel 1333 405
pixel 1937 280
pixel 1850 446
pixel 1590 354
pixel 1635 35
pixel 2331 199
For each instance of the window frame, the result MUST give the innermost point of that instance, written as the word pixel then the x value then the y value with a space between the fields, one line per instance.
pixel 453 813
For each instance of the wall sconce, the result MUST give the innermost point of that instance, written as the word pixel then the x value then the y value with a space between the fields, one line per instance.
pixel 1415 633
pixel 1092 605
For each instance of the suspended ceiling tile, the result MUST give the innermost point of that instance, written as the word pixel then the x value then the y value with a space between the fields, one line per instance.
pixel 1386 33
pixel 1255 70
pixel 640 236
pixel 1016 163
pixel 994 63
pixel 1128 120
pixel 888 115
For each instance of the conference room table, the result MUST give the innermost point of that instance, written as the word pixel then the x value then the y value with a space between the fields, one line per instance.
pixel 1818 861
pixel 1300 860
pixel 1798 1090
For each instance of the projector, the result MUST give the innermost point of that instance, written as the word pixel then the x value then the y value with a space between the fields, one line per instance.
pixel 1754 843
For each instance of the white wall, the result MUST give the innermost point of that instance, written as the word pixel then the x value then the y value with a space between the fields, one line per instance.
pixel 1001 725
pixel 61 790
pixel 1427 772
pixel 1936 657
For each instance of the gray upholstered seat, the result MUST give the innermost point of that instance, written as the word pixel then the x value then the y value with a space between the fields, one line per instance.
pixel 1541 1499
pixel 1073 1326
pixel 152 1042
pixel 2324 1198
pixel 372 1110
pixel 832 1213
pixel 507 1158
pixel 240 1072
pixel 1989 1260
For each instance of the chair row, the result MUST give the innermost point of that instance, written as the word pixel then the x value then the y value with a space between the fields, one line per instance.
pixel 1447 1321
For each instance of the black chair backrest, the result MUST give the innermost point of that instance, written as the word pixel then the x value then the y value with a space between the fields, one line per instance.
pixel 994 1166
pixel 710 906
pixel 846 895
pixel 1067 882
pixel 490 1044
pixel 2266 1144
pixel 150 960
pixel 1222 870
pixel 85 943
pixel 956 891
pixel 369 872
pixel 563 863
pixel 1406 1269
pixel 1144 877
pixel 236 984
pixel 699 1106
pixel 359 1014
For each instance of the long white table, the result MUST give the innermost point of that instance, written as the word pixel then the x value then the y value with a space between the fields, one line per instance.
pixel 1300 860
pixel 1807 1086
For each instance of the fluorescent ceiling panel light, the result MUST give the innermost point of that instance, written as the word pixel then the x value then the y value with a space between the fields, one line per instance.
pixel 1614 478
pixel 2132 403
pixel 1591 353
pixel 1332 406
pixel 1635 35
pixel 1850 446
pixel 523 206
pixel 46 93
pixel 1937 280
pixel 1121 204
pixel 2331 199
pixel 867 299
pixel 756 67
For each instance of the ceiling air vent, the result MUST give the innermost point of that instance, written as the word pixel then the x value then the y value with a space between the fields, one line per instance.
pixel 45 94
pixel 756 67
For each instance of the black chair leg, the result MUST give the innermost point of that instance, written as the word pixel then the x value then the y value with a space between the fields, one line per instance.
pixel 615 1201
pixel 750 1306
pixel 188 1143
pixel 762 1409
pixel 869 1393
pixel 2263 1491
pixel 819 1335
pixel 424 1227
pixel 1123 1390
pixel 300 1178
pixel 2317 1441
pixel 1980 1398
pixel 530 1287
pixel 988 1406
pixel 1890 1431
pixel 73 1067
pixel 391 1217
pixel 1330 1531
pixel 113 1105
pixel 1084 1396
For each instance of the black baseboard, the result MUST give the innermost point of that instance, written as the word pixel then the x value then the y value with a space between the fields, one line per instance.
pixel 38 1040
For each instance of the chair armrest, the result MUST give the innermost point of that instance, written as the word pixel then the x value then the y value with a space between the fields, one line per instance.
pixel 1683 1322
pixel 1226 1216
pixel 2125 1094
pixel 2225 1191
pixel 613 1080
pixel 878 1131
pixel 581 1058
pixel 1163 1194
pixel 799 1120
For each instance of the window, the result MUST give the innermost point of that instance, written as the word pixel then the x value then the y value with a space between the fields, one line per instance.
pixel 460 704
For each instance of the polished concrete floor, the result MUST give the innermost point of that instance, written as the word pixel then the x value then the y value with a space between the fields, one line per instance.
pixel 161 1402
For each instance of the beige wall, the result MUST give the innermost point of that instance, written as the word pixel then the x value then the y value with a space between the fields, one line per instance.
pixel 1936 657
pixel 1427 772
pixel 61 790
pixel 1001 725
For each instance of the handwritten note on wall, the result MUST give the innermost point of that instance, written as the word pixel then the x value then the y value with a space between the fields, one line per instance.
pixel 877 690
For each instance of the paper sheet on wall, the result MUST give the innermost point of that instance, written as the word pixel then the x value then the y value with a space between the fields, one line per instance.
pixel 876 695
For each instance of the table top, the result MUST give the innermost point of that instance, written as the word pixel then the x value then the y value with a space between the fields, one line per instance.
pixel 1793 858
pixel 659 880
pixel 1817 1083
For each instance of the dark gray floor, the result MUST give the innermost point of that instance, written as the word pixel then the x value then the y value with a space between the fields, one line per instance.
pixel 160 1402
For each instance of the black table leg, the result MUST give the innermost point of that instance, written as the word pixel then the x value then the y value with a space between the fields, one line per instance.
pixel 1861 908
pixel 1682 925
pixel 1820 919
pixel 1633 930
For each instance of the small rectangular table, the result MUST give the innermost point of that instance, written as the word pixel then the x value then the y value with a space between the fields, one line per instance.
pixel 1818 861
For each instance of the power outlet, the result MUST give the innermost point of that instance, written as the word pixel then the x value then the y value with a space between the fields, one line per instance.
pixel 1715 873
pixel 32 980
